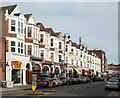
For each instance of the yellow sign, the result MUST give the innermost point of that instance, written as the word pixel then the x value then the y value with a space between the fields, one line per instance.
pixel 16 64
pixel 51 84
pixel 34 86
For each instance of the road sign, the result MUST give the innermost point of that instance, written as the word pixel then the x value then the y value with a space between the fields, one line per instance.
pixel 34 86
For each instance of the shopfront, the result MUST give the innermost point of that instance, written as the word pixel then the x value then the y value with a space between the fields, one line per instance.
pixel 17 72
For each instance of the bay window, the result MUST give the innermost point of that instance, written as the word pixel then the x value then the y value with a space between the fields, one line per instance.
pixel 29 49
pixel 13 25
pixel 19 26
pixel 29 31
pixel 13 46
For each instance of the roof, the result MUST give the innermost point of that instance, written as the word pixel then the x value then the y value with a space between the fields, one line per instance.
pixel 9 8
pixel 42 28
pixel 27 16
pixel 52 33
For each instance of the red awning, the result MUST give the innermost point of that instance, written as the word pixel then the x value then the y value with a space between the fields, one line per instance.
pixel 86 72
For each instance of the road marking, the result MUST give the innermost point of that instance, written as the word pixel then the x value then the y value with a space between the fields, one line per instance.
pixel 112 93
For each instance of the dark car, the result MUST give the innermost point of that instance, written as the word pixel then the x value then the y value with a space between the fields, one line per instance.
pixel 88 80
pixel 95 79
pixel 74 81
pixel 44 82
pixel 68 81
pixel 78 80
pixel 112 84
pixel 63 79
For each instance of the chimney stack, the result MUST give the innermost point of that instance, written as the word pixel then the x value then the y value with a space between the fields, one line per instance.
pixel 80 40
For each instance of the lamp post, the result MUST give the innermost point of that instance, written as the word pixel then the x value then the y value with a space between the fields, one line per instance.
pixel 65 35
pixel 5 59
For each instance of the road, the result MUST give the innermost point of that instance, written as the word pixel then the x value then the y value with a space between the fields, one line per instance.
pixel 86 89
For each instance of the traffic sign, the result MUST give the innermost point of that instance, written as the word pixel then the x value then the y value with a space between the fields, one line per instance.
pixel 34 86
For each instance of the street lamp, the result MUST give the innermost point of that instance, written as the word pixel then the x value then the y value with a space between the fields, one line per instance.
pixel 65 35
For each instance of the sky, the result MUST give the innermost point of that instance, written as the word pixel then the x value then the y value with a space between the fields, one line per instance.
pixel 95 22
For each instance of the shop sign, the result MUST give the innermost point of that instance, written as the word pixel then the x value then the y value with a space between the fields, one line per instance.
pixel 16 64
pixel 62 64
pixel 33 64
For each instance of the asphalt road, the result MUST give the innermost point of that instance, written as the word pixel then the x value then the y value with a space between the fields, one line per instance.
pixel 86 89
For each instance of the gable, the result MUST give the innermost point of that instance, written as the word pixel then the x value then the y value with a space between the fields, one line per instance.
pixel 16 10
pixel 31 20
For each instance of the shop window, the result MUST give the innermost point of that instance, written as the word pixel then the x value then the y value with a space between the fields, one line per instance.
pixel 13 25
pixel 42 54
pixel 16 76
pixel 12 46
pixel 60 45
pixel 29 49
pixel 41 38
pixel 29 31
pixel 52 42
pixel 19 26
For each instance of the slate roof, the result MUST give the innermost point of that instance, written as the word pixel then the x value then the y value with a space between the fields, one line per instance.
pixel 9 8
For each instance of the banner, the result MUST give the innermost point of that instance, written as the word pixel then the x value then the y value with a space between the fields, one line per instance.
pixel 62 64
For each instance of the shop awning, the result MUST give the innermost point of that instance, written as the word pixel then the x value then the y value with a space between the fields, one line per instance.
pixel 77 71
pixel 86 72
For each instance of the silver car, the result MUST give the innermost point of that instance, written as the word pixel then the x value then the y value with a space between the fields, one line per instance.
pixel 112 84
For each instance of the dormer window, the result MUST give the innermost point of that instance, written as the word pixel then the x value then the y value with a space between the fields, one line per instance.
pixel 13 25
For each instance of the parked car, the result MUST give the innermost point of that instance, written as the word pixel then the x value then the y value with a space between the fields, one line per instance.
pixel 79 81
pixel 83 79
pixel 88 79
pixel 95 79
pixel 63 79
pixel 43 82
pixel 74 81
pixel 101 79
pixel 112 84
pixel 57 81
pixel 68 81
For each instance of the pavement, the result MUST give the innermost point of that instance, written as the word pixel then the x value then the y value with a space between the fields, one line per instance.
pixel 15 88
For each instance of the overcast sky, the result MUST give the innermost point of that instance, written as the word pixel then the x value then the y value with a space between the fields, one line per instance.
pixel 96 23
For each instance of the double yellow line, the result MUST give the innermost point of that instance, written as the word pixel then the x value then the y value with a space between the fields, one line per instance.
pixel 112 93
